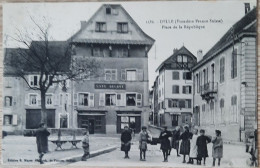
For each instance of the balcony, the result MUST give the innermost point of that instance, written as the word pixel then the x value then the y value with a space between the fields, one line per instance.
pixel 209 90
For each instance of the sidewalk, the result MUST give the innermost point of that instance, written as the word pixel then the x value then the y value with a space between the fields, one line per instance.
pixel 20 150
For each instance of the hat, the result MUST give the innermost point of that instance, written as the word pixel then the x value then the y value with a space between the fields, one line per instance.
pixel 144 127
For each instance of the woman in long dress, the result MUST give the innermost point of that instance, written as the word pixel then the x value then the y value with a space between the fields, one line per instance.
pixel 185 143
pixel 193 147
pixel 165 143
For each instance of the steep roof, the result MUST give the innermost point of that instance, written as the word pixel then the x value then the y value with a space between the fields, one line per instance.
pixel 22 56
pixel 87 33
pixel 182 51
pixel 246 25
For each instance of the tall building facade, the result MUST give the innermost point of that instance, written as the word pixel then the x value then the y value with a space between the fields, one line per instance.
pixel 225 83
pixel 105 103
pixel 174 87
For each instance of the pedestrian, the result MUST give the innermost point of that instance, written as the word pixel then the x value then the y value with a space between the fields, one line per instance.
pixel 132 128
pixel 165 143
pixel 202 142
pixel 193 147
pixel 143 138
pixel 175 139
pixel 217 148
pixel 42 141
pixel 85 145
pixel 185 143
pixel 126 141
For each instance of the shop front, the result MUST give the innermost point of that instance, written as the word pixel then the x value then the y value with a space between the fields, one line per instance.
pixel 94 121
pixel 130 119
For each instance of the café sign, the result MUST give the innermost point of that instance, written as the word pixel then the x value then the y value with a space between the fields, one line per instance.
pixel 110 86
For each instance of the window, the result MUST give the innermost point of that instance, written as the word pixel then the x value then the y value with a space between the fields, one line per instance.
pixel 222 70
pixel 83 99
pixel 203 113
pixel 187 103
pixel 101 27
pixel 63 120
pixel 211 105
pixel 33 99
pixel 182 59
pixel 179 58
pixel 7 119
pixel 222 112
pixel 8 101
pixel 48 99
pixel 110 74
pixel 110 99
pixel 33 80
pixel 175 75
pixel 186 89
pixel 179 103
pixel 234 64
pixel 234 108
pixel 131 75
pixel 187 75
pixel 175 89
pixel 124 52
pixel 108 11
pixel 198 83
pixel 122 27
pixel 131 99
pixel 97 52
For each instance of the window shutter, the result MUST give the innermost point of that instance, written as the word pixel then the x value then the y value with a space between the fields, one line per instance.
pixel 101 99
pixel 26 99
pixel 69 98
pixel 14 101
pixel 183 89
pixel 123 99
pixel 14 122
pixel 139 99
pixel 118 99
pixel 169 103
pixel 30 80
pixel 123 74
pixel 91 100
pixel 75 99
pixel 38 99
pixel 140 74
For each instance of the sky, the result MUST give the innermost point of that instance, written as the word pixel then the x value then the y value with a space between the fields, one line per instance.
pixel 157 19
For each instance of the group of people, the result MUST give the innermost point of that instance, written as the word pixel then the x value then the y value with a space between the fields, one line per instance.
pixel 192 144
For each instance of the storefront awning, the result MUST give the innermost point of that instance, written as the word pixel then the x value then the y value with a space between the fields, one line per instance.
pixel 91 114
pixel 128 114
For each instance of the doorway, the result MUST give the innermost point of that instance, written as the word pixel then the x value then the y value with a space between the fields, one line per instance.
pixel 91 126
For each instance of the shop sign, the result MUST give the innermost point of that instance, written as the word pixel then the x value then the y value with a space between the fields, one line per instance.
pixel 110 86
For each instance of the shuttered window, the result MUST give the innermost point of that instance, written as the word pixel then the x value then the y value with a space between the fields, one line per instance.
pixel 175 75
pixel 175 89
pixel 234 64
pixel 222 70
pixel 186 89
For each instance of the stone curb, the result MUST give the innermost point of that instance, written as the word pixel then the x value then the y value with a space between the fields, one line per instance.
pixel 77 158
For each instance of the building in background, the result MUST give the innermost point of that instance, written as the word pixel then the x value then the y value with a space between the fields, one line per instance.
pixel 120 95
pixel 225 82
pixel 173 87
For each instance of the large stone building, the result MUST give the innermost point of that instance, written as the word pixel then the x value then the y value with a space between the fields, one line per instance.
pixel 174 87
pixel 106 102
pixel 225 82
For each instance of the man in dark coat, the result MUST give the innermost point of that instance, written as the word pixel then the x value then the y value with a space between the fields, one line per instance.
pixel 42 141
pixel 175 139
pixel 126 141
pixel 202 142
pixel 185 143
pixel 165 143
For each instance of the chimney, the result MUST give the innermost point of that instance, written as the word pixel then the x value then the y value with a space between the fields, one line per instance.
pixel 175 50
pixel 83 24
pixel 199 55
pixel 247 7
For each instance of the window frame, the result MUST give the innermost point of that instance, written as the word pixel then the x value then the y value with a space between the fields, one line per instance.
pixel 174 74
pixel 177 89
pixel 99 27
pixel 120 27
pixel 88 104
pixel 110 93
pixel 129 75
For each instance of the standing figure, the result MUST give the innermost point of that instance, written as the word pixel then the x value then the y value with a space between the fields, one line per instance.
pixel 143 138
pixel 202 142
pixel 85 145
pixel 165 143
pixel 185 143
pixel 132 128
pixel 42 141
pixel 193 147
pixel 126 141
pixel 217 148
pixel 175 139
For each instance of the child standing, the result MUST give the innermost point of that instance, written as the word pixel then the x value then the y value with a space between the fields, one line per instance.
pixel 85 145
pixel 217 148
pixel 143 138
pixel 202 142
pixel 193 147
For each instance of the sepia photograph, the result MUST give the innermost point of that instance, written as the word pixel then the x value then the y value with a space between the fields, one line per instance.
pixel 140 83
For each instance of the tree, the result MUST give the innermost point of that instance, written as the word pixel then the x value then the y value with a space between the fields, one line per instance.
pixel 52 61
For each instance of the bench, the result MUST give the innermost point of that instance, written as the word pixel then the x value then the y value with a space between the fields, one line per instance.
pixel 63 137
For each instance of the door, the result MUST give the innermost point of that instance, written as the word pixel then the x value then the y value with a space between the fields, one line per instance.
pixel 91 126
pixel 174 120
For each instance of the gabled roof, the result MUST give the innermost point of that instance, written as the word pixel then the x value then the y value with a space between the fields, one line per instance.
pixel 246 25
pixel 87 33
pixel 182 51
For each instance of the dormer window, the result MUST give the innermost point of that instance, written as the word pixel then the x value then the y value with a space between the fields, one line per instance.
pixel 108 11
pixel 101 27
pixel 122 27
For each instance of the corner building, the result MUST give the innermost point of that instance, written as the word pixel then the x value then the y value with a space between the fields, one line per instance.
pixel 120 93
